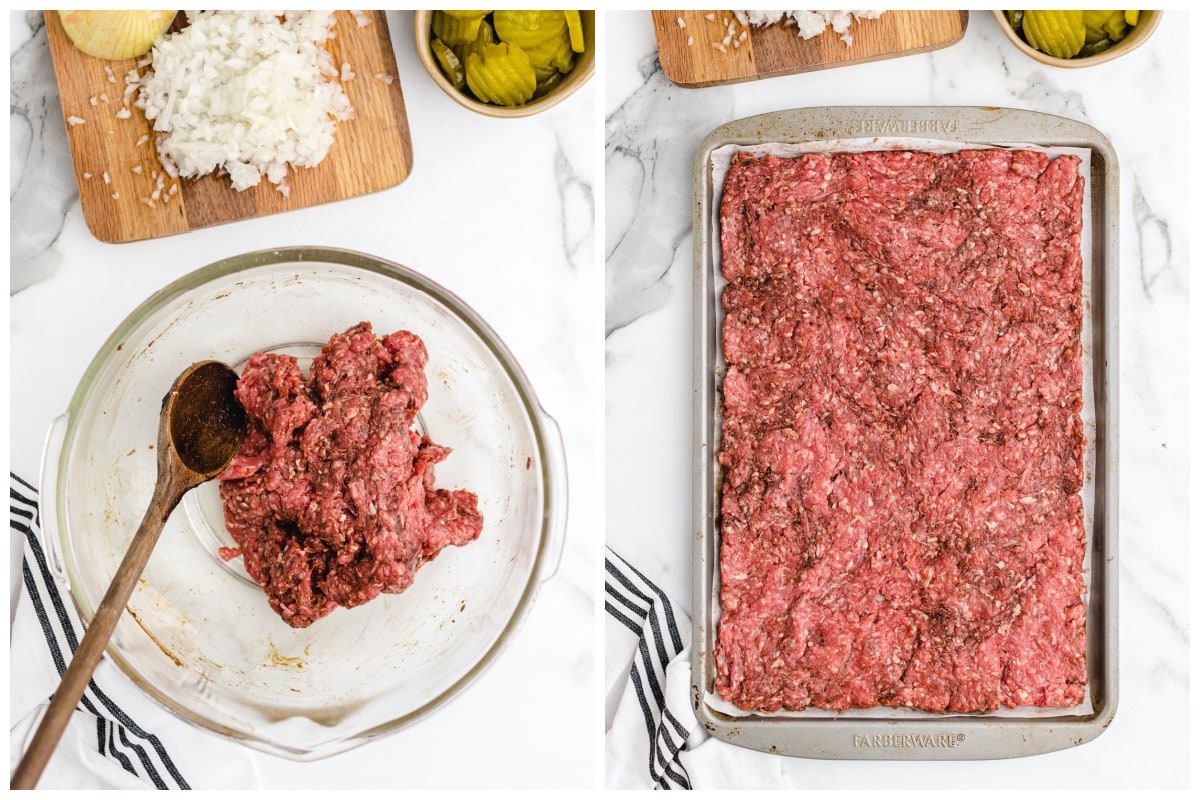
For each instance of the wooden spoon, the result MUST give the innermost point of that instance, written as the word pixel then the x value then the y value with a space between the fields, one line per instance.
pixel 200 430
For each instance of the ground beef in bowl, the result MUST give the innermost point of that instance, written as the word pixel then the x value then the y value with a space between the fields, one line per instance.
pixel 331 498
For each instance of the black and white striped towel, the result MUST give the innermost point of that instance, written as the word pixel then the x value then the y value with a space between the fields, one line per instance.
pixel 118 738
pixel 652 738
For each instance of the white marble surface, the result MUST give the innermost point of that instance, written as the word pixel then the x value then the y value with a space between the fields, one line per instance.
pixel 518 248
pixel 1141 102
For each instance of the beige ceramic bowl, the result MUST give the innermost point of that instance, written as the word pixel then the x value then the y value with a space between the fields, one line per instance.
pixel 1147 22
pixel 585 65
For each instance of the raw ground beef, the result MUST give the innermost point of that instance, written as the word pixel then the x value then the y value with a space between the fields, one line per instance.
pixel 902 447
pixel 331 497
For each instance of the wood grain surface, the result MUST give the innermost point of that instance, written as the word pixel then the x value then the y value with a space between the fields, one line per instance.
pixel 371 152
pixel 777 50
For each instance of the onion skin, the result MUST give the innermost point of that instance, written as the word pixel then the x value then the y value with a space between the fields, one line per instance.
pixel 115 35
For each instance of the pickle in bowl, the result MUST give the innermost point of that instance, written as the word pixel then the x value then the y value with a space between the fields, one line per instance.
pixel 506 58
pixel 1074 33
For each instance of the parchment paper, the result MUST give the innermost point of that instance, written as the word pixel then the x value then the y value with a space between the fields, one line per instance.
pixel 720 160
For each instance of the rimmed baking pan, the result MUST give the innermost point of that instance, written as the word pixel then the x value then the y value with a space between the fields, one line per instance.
pixel 904 734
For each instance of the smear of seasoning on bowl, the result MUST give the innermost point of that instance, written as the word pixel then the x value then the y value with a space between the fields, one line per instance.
pixel 506 58
pixel 331 498
pixel 1072 34
pixel 247 92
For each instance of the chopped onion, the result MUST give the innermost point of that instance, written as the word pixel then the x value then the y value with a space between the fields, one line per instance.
pixel 246 92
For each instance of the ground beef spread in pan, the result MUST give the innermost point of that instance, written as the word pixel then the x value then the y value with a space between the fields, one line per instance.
pixel 331 497
pixel 902 447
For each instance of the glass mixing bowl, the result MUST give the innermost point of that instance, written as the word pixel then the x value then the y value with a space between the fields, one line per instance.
pixel 199 635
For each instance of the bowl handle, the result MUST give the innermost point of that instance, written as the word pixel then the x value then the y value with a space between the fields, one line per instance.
pixel 48 499
pixel 556 509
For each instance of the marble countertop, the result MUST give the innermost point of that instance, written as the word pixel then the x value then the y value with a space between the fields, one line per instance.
pixel 1141 103
pixel 526 266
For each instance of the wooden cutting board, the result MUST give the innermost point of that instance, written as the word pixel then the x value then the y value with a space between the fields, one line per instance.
pixel 777 49
pixel 371 152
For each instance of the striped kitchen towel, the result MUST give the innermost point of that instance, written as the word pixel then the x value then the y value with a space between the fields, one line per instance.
pixel 652 738
pixel 118 738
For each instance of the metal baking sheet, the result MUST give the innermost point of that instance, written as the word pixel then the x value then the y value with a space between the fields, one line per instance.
pixel 902 733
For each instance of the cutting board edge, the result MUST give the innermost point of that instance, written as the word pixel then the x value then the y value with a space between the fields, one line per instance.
pixel 912 51
pixel 135 237
pixel 670 66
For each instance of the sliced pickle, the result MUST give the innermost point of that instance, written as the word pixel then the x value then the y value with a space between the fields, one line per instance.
pixel 468 15
pixel 501 74
pixel 553 52
pixel 506 57
pixel 528 27
pixel 575 30
pixel 1092 48
pixel 485 36
pixel 544 72
pixel 1096 25
pixel 451 66
pixel 1109 25
pixel 1117 27
pixel 543 35
pixel 544 86
pixel 1131 17
pixel 455 31
pixel 1057 33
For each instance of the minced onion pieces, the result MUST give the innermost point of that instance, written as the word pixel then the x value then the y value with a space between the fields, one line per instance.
pixel 809 23
pixel 246 92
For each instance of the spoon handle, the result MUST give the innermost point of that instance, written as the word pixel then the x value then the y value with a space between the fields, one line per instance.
pixel 79 672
